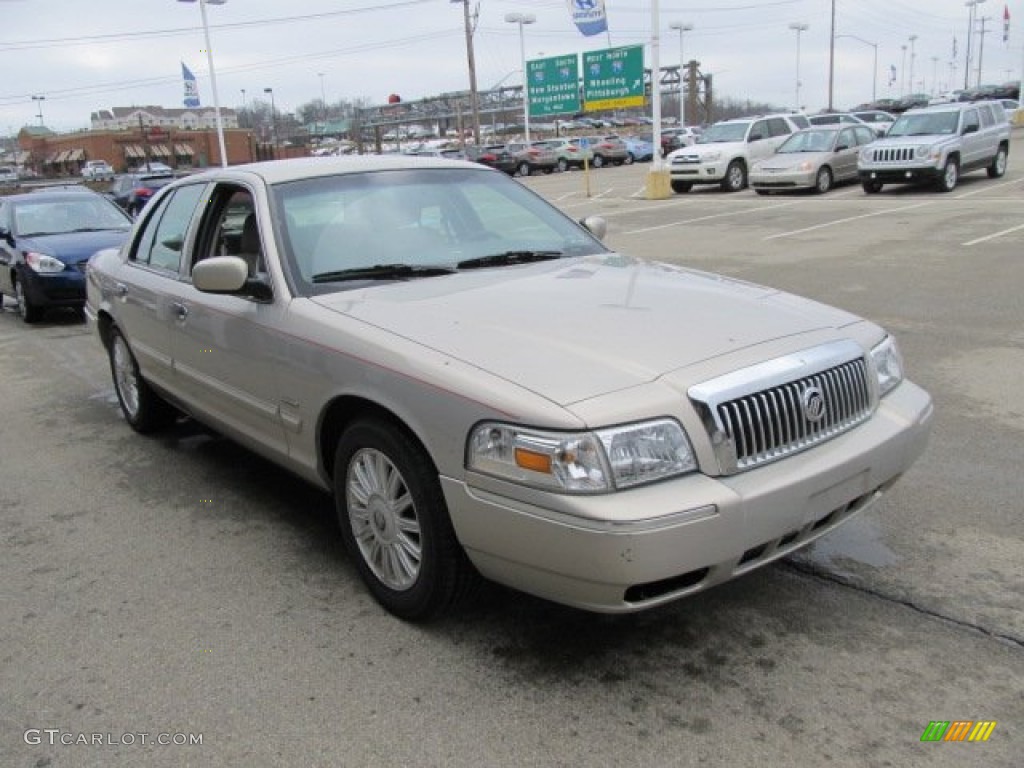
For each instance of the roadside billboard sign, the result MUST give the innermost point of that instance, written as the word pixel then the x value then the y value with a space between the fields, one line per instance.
pixel 613 78
pixel 553 85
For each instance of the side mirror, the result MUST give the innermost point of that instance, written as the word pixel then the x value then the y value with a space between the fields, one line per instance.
pixel 596 226
pixel 229 274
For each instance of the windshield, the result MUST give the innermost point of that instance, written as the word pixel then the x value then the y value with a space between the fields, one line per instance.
pixel 925 124
pixel 723 132
pixel 808 141
pixel 81 213
pixel 417 223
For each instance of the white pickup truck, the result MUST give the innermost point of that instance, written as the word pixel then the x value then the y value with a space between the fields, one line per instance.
pixel 97 170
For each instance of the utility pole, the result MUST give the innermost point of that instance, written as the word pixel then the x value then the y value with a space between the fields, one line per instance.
pixel 981 45
pixel 831 55
pixel 471 60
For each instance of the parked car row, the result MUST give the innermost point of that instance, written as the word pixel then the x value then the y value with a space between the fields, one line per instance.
pixel 771 153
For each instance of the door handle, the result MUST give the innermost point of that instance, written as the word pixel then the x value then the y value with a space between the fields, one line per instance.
pixel 180 310
pixel 122 290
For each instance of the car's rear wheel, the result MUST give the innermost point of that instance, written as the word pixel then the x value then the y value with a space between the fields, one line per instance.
pixel 395 523
pixel 950 175
pixel 735 177
pixel 998 167
pixel 523 169
pixel 682 187
pixel 143 409
pixel 629 159
pixel 563 164
pixel 872 186
pixel 823 181
pixel 28 311
pixel 597 162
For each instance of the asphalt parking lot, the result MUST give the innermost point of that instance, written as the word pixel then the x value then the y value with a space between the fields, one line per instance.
pixel 182 586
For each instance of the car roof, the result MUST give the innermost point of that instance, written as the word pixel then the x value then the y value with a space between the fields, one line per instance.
pixel 297 169
pixel 61 192
pixel 950 106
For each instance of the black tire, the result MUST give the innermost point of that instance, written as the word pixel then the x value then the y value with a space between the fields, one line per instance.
pixel 735 177
pixel 143 409
pixel 563 165
pixel 763 191
pixel 629 159
pixel 28 311
pixel 950 175
pixel 998 167
pixel 597 162
pixel 823 181
pixel 395 523
pixel 872 186
pixel 523 169
pixel 682 187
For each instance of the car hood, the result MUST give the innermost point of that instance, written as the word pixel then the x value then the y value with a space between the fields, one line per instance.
pixel 73 247
pixel 789 160
pixel 705 149
pixel 577 328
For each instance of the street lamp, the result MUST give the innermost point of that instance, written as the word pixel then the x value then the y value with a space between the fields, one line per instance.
pixel 798 27
pixel 273 117
pixel 971 12
pixel 213 76
pixel 323 103
pixel 39 103
pixel 911 78
pixel 682 26
pixel 874 70
pixel 521 19
pixel 903 72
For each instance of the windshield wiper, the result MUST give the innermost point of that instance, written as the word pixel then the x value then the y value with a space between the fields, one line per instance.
pixel 101 229
pixel 508 257
pixel 382 272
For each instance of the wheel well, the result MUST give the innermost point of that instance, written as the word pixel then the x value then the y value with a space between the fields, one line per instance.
pixel 105 327
pixel 953 156
pixel 340 413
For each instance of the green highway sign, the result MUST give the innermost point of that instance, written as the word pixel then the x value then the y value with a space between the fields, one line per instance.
pixel 613 78
pixel 553 85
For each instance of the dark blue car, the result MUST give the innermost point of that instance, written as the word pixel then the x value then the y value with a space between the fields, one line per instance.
pixel 46 239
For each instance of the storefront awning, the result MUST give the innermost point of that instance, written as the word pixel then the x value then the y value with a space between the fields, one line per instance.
pixel 76 154
pixel 62 156
pixel 133 151
pixel 159 150
pixel 183 150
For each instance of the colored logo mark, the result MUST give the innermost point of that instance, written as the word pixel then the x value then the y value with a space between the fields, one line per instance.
pixel 958 730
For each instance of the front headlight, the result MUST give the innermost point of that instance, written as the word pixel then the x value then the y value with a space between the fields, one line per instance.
pixel 43 264
pixel 888 364
pixel 581 462
pixel 921 152
pixel 711 157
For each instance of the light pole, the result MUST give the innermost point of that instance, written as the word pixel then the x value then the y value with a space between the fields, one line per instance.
pixel 213 75
pixel 911 78
pixel 903 72
pixel 935 75
pixel 39 103
pixel 874 69
pixel 798 27
pixel 273 117
pixel 971 11
pixel 521 19
pixel 681 26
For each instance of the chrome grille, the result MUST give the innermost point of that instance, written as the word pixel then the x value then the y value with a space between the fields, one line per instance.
pixel 763 414
pixel 892 154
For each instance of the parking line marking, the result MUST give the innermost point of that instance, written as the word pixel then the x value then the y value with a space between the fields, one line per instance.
pixel 705 218
pixel 844 221
pixel 993 236
pixel 988 187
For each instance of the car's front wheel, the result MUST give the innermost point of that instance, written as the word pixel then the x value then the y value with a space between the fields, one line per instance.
pixel 143 409
pixel 998 167
pixel 872 186
pixel 682 187
pixel 395 523
pixel 597 162
pixel 28 311
pixel 523 169
pixel 950 175
pixel 823 181
pixel 563 165
pixel 735 177
pixel 629 159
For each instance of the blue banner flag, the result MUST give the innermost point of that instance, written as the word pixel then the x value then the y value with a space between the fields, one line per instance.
pixel 191 89
pixel 589 16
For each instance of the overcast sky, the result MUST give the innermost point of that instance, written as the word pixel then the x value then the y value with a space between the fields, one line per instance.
pixel 86 55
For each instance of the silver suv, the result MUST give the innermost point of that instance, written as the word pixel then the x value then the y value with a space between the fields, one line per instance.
pixel 937 144
pixel 725 152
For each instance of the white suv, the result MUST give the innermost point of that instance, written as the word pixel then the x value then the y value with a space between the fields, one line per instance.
pixel 725 151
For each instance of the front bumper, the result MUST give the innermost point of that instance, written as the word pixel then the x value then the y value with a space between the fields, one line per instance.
pixel 698 173
pixel 694 532
pixel 910 175
pixel 61 289
pixel 782 180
